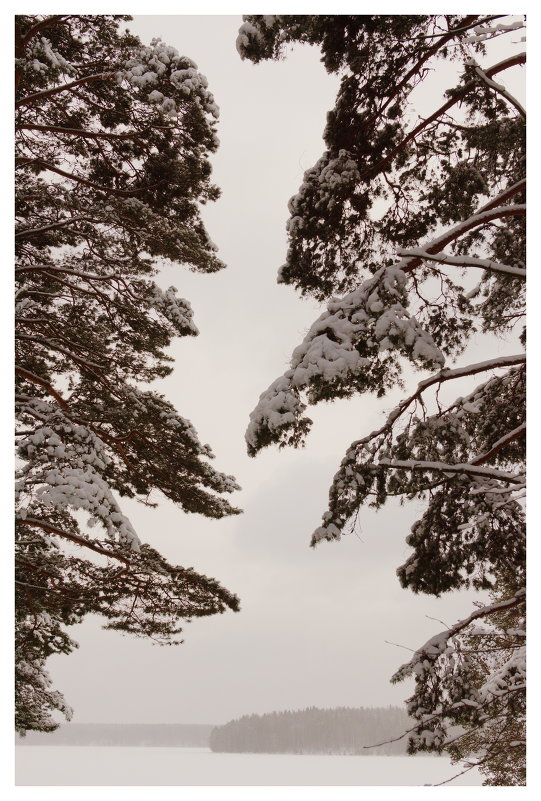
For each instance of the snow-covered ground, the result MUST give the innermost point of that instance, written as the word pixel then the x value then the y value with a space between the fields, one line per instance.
pixel 52 765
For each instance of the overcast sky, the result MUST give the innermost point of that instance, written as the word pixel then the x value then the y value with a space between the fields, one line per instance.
pixel 313 624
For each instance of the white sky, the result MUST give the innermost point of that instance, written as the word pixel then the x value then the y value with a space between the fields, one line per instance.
pixel 314 623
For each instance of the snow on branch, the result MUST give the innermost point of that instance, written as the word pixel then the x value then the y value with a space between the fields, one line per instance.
pixel 26 232
pixel 47 22
pixel 482 32
pixel 40 96
pixel 85 542
pixel 516 433
pixel 506 194
pixel 498 87
pixel 439 444
pixel 68 475
pixel 444 375
pixel 340 353
pixel 437 644
pixel 463 261
pixel 457 95
pixel 468 468
pixel 352 346
pixel 51 269
pixel 483 216
pixel 89 134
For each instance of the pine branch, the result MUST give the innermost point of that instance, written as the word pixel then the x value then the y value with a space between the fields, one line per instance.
pixel 108 190
pixel 462 261
pixel 25 233
pixel 31 521
pixel 433 645
pixel 444 375
pixel 481 217
pixel 512 436
pixel 457 96
pixel 39 96
pixel 89 134
pixel 468 468
pixel 499 88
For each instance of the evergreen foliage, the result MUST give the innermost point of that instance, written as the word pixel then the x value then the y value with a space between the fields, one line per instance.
pixel 112 146
pixel 412 231
pixel 498 732
pixel 315 731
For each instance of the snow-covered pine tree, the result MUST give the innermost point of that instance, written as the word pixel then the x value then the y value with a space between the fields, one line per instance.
pixel 412 230
pixel 492 661
pixel 112 148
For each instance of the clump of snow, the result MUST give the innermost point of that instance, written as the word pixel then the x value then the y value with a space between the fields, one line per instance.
pixel 248 33
pixel 340 349
pixel 328 178
pixel 162 64
pixel 64 471
pixel 177 310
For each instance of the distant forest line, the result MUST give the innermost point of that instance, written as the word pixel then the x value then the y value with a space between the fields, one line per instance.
pixel 316 731
pixel 123 734
pixel 341 730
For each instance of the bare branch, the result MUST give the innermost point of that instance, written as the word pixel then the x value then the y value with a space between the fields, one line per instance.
pixel 35 379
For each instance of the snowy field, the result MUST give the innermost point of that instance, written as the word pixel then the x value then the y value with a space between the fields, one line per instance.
pixel 52 765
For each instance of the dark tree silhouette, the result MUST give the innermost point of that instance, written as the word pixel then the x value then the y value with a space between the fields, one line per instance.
pixel 420 222
pixel 112 146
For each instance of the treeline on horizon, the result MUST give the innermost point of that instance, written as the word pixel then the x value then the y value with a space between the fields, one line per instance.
pixel 316 731
pixel 173 735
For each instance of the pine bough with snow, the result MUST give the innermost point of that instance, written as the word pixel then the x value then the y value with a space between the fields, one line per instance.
pixel 411 229
pixel 112 148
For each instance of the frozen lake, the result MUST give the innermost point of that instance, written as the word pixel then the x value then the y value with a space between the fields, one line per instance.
pixel 72 765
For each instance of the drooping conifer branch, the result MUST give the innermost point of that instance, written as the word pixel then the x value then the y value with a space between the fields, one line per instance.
pixel 383 187
pixel 113 156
